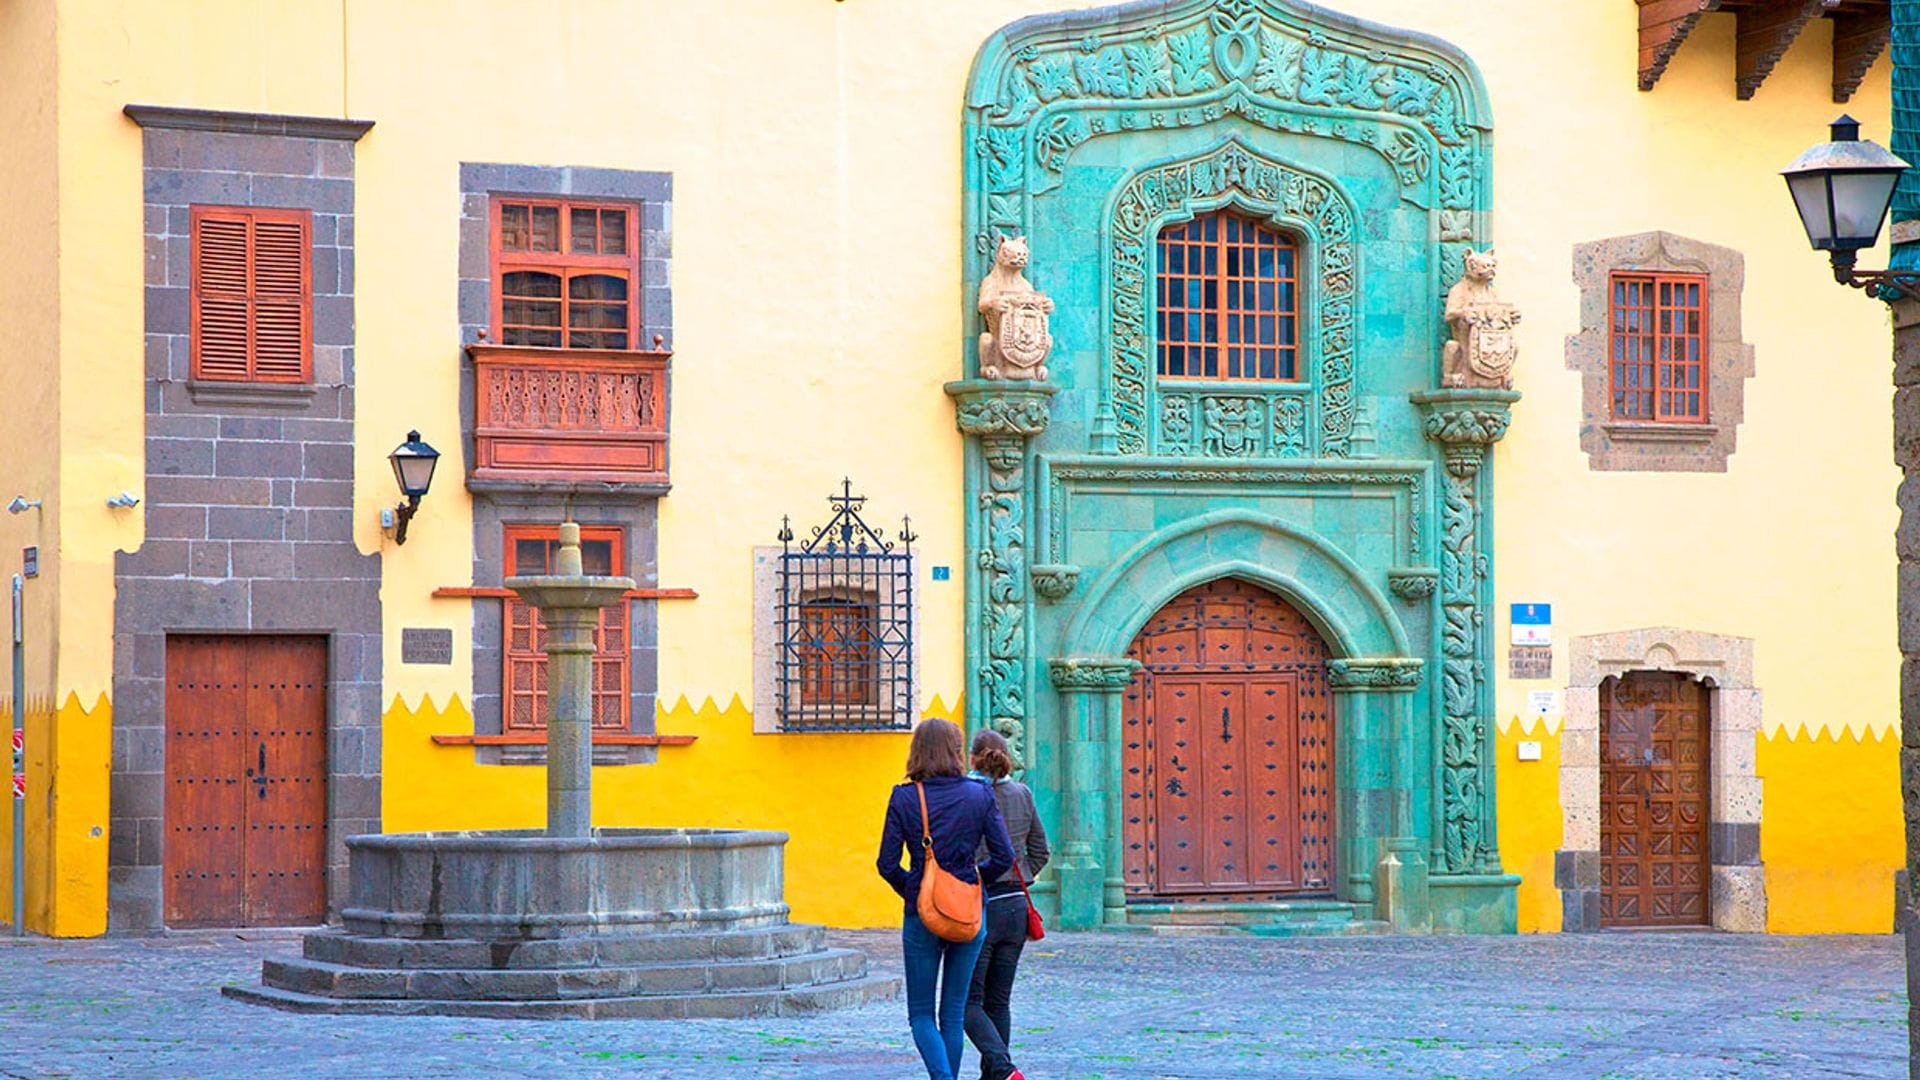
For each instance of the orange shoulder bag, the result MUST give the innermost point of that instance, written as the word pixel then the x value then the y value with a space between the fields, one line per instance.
pixel 947 906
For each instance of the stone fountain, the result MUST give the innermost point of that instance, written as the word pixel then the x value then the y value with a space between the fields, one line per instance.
pixel 572 921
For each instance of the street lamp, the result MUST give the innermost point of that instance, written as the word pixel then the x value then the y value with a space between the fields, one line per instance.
pixel 1842 189
pixel 413 463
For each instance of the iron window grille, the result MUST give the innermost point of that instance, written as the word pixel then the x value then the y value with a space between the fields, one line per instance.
pixel 845 625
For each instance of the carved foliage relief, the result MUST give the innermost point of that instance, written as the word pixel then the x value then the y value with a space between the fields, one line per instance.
pixel 1219 425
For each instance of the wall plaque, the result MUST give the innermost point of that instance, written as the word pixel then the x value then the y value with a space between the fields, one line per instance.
pixel 426 645
pixel 1530 662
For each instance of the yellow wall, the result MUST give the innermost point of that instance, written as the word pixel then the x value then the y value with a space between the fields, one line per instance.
pixel 816 158
pixel 1831 840
pixel 1528 815
pixel 828 792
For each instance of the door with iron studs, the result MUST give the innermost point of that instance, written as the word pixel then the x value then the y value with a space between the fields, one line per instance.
pixel 246 774
pixel 1653 801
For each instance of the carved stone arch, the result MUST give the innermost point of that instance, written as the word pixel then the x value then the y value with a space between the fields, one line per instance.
pixel 1315 577
pixel 1300 201
pixel 1737 892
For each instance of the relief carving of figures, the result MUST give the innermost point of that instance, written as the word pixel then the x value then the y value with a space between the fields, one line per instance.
pixel 1018 337
pixel 1231 427
pixel 1483 348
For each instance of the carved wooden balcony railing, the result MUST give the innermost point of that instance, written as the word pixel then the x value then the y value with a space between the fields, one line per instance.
pixel 569 415
pixel 1762 31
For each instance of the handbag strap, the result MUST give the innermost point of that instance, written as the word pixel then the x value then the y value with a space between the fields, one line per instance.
pixel 926 828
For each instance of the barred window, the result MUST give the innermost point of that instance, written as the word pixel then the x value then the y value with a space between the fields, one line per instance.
pixel 530 550
pixel 1657 342
pixel 1227 300
pixel 842 627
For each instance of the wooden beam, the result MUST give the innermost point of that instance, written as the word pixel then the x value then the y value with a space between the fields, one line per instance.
pixel 1664 24
pixel 1858 39
pixel 1762 34
pixel 539 738
pixel 481 592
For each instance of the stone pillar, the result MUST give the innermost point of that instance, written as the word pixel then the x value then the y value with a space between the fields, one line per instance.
pixel 1465 423
pixel 1090 864
pixel 1906 454
pixel 1375 697
pixel 569 603
pixel 1001 416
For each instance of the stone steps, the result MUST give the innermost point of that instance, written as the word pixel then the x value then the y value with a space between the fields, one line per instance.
pixel 793 1001
pixel 1278 918
pixel 611 950
pixel 331 980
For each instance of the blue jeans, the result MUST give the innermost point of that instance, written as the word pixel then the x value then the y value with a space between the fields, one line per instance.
pixel 940 1041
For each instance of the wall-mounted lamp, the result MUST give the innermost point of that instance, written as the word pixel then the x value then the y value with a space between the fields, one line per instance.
pixel 1842 189
pixel 21 504
pixel 413 463
pixel 126 500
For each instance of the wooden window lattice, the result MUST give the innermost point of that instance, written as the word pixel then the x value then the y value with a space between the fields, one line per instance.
pixel 1228 296
pixel 565 273
pixel 530 550
pixel 1657 347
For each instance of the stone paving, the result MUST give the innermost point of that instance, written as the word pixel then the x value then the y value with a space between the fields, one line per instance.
pixel 1673 1005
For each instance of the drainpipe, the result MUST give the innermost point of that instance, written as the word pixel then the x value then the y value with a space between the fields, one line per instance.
pixel 19 760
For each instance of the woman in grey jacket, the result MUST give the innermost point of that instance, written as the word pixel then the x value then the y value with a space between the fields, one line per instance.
pixel 989 1018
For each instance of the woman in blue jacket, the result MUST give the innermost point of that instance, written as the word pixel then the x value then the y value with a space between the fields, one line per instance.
pixel 961 816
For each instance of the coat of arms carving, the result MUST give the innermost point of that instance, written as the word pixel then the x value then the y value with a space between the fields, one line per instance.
pixel 1483 348
pixel 1018 336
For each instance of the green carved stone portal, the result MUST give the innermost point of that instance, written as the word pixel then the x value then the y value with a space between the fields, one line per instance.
pixel 1358 493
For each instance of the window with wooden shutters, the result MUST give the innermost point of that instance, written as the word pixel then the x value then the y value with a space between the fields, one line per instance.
pixel 1657 347
pixel 252 295
pixel 566 273
pixel 531 550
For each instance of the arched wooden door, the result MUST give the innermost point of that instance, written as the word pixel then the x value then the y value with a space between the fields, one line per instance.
pixel 1228 749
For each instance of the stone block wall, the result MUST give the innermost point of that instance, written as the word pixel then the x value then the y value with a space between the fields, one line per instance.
pixel 249 487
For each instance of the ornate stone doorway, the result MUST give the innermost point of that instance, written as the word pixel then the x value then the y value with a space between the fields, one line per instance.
pixel 1653 800
pixel 1227 750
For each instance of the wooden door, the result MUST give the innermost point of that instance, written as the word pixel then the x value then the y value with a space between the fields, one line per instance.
pixel 1228 754
pixel 1653 794
pixel 246 799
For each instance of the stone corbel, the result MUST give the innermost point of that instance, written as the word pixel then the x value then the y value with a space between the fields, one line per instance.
pixel 1412 583
pixel 1054 581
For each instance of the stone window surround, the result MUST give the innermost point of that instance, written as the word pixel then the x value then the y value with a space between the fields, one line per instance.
pixel 248 486
pixel 1640 446
pixel 631 507
pixel 1737 890
pixel 766 648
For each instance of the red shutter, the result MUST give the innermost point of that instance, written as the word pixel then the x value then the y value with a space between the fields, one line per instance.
pixel 252 295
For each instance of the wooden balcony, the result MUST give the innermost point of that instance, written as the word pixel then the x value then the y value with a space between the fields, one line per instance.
pixel 568 416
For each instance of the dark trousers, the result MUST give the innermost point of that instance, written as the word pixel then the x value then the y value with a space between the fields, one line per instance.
pixel 989 1012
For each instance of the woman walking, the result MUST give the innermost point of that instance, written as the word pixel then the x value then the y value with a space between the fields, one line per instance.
pixel 961 817
pixel 989 1011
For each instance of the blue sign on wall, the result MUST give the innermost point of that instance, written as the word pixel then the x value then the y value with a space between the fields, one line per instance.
pixel 1532 624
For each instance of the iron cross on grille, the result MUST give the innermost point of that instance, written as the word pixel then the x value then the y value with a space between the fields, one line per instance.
pixel 845 531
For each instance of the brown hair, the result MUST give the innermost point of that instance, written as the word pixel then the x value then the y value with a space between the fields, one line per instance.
pixel 935 751
pixel 990 756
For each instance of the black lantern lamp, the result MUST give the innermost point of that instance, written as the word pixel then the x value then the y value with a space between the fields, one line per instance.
pixel 413 463
pixel 1842 189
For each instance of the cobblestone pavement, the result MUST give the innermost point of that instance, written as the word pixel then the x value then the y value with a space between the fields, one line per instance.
pixel 1611 1005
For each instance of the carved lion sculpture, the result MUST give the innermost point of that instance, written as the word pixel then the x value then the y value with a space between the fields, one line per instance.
pixel 1018 336
pixel 1483 348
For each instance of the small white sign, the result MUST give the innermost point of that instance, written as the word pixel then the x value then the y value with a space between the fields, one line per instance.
pixel 1527 750
pixel 1543 702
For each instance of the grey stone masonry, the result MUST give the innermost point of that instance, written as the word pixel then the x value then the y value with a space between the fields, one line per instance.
pixel 497 504
pixel 249 487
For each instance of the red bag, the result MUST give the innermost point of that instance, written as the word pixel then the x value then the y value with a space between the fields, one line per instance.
pixel 1035 928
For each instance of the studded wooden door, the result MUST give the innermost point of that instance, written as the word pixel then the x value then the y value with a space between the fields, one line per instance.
pixel 1653 796
pixel 246 799
pixel 1228 750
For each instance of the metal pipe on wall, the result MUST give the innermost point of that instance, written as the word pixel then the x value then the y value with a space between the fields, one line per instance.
pixel 19 758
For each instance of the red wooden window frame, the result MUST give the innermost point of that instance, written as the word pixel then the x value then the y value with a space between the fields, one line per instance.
pixel 1225 310
pixel 567 259
pixel 251 294
pixel 839 651
pixel 1657 347
pixel 523 669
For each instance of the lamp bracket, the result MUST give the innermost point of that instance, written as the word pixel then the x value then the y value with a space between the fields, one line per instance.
pixel 1886 285
pixel 403 514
